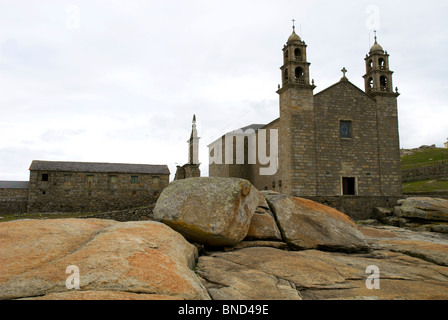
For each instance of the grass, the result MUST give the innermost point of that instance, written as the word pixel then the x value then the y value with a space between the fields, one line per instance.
pixel 426 186
pixel 425 156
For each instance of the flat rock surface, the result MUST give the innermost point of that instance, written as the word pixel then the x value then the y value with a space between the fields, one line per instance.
pixel 269 273
pixel 122 258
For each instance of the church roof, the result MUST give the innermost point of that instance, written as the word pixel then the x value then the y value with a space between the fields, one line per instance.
pixel 99 167
pixel 342 82
pixel 14 184
pixel 254 127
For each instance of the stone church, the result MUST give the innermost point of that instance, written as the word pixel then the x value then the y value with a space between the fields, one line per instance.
pixel 342 141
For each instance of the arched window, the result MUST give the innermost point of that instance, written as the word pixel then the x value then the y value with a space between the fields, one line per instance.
pixel 286 55
pixel 382 63
pixel 299 75
pixel 286 75
pixel 298 54
pixel 383 83
pixel 370 83
pixel 370 64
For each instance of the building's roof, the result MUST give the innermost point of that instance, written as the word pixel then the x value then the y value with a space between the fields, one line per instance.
pixel 254 127
pixel 99 167
pixel 14 184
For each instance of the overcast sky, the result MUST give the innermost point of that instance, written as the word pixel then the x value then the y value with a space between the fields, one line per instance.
pixel 119 81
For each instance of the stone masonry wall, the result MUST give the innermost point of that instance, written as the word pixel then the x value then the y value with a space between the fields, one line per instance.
pixel 13 200
pixel 425 173
pixel 356 157
pixel 357 207
pixel 134 214
pixel 92 192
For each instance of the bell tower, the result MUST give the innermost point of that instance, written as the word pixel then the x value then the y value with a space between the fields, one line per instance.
pixel 297 127
pixel 378 77
pixel 378 85
pixel 295 69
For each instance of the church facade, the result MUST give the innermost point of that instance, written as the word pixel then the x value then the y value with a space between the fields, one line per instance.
pixel 342 141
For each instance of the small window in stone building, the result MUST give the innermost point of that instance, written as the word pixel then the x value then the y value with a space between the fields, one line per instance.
pixel 45 177
pixel 346 129
pixel 113 179
pixel 89 178
pixel 44 192
pixel 134 179
pixel 273 184
pixel 155 180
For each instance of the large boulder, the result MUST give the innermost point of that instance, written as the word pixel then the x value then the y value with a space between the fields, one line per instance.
pixel 115 260
pixel 210 211
pixel 263 225
pixel 423 208
pixel 306 224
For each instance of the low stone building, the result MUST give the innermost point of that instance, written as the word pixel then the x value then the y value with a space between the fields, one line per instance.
pixel 93 187
pixel 83 187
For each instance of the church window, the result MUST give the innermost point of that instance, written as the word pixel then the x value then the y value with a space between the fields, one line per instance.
pixel 134 179
pixel 299 75
pixel 383 83
pixel 382 63
pixel 286 75
pixel 370 64
pixel 298 54
pixel 349 186
pixel 345 129
pixel 370 82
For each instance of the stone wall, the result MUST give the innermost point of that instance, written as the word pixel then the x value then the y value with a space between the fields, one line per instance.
pixel 13 201
pixel 92 192
pixel 357 207
pixel 135 214
pixel 425 173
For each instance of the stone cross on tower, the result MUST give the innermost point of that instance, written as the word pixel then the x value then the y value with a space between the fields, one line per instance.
pixel 344 71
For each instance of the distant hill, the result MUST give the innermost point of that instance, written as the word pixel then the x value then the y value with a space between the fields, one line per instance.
pixel 423 154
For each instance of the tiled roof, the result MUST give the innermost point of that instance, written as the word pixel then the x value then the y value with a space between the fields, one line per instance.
pixel 99 167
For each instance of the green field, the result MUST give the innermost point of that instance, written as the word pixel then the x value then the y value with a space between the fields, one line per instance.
pixel 426 186
pixel 425 156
